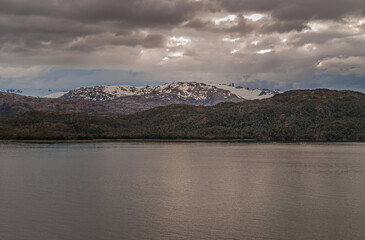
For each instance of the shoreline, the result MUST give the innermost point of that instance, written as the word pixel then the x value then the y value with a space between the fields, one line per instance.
pixel 171 140
pixel 128 140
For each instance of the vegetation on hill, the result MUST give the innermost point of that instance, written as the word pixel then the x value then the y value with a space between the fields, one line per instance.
pixel 300 115
pixel 13 104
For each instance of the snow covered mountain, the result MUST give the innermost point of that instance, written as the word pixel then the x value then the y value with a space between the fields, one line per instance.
pixel 181 92
pixel 111 100
pixel 128 99
pixel 178 93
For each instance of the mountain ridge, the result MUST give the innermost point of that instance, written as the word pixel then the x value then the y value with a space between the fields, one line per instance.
pixel 111 100
pixel 190 92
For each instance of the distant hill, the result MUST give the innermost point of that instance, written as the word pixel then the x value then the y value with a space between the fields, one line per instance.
pixel 11 91
pixel 300 115
pixel 13 104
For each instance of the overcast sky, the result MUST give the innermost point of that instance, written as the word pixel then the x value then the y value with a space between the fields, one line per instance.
pixel 284 44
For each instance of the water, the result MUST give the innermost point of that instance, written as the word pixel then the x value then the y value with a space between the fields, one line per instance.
pixel 182 191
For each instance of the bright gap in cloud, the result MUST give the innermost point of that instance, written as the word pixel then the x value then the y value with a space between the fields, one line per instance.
pixel 230 18
pixel 46 43
pixel 179 41
pixel 231 39
pixel 177 54
pixel 264 51
pixel 234 51
pixel 317 27
pixel 254 17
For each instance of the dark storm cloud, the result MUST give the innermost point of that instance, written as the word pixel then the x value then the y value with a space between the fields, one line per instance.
pixel 282 26
pixel 31 31
pixel 297 9
pixel 294 14
pixel 28 23
pixel 135 12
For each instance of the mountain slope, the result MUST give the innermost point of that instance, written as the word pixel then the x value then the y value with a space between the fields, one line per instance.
pixel 13 104
pixel 314 115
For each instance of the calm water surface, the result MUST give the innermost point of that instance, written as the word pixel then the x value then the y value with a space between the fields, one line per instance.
pixel 182 191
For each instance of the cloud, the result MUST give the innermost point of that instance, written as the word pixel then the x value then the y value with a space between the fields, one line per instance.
pixel 7 72
pixel 297 9
pixel 92 42
pixel 131 12
pixel 184 40
pixel 343 66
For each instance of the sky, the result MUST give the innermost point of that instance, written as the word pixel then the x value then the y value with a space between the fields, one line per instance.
pixel 284 44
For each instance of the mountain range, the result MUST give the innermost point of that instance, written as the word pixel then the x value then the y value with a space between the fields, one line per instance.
pixel 109 100
pixel 181 92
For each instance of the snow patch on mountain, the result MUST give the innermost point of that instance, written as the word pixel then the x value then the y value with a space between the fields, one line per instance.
pixel 121 91
pixel 198 91
pixel 55 95
pixel 248 94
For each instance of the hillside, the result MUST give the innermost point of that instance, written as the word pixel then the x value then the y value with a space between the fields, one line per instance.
pixel 13 104
pixel 301 115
